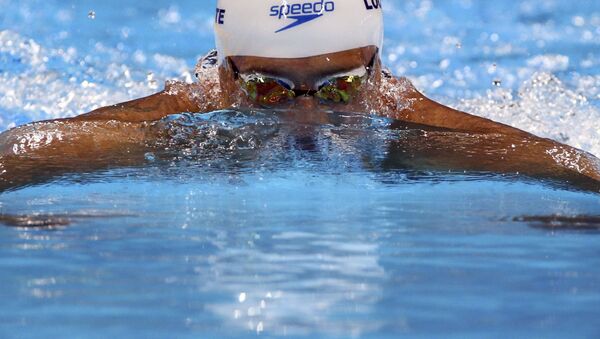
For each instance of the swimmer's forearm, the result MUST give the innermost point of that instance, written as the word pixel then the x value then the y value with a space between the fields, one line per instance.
pixel 485 145
pixel 497 153
pixel 69 137
pixel 38 152
pixel 545 158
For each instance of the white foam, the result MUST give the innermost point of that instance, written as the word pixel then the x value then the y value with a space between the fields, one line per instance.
pixel 549 62
pixel 546 107
pixel 38 83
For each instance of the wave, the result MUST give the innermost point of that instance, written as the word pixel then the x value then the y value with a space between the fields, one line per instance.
pixel 38 83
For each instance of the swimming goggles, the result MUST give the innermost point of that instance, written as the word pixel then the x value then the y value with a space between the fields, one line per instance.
pixel 269 91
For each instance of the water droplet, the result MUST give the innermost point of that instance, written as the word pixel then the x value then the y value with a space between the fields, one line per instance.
pixel 578 21
pixel 252 312
pixel 497 82
pixel 150 157
pixel 259 327
pixel 92 15
pixel 152 83
pixel 459 45
pixel 242 297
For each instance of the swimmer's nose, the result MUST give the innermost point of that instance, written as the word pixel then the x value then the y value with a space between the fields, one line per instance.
pixel 306 102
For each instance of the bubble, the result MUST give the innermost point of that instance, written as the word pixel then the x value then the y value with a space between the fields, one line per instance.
pixel 150 157
pixel 578 21
pixel 152 83
pixel 170 16
pixel 444 64
pixel 549 62
pixel 547 107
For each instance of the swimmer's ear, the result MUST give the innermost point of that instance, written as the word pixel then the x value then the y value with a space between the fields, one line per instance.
pixel 376 69
pixel 232 66
pixel 370 55
pixel 373 62
pixel 228 75
pixel 228 71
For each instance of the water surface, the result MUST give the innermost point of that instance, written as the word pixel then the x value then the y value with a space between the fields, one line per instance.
pixel 272 229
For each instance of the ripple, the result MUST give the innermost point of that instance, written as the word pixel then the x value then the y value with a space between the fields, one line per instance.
pixel 562 223
pixel 54 221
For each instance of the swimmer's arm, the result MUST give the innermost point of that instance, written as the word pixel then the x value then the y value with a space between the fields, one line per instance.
pixel 485 145
pixel 175 98
pixel 109 137
pixel 496 153
pixel 38 152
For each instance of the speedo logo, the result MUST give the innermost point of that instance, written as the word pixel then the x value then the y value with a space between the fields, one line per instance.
pixel 301 13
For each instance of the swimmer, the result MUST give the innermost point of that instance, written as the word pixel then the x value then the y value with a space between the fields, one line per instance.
pixel 302 57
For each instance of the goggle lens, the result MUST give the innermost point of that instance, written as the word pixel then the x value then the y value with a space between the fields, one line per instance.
pixel 267 91
pixel 340 90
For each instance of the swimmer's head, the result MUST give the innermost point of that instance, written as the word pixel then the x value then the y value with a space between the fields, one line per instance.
pixel 296 28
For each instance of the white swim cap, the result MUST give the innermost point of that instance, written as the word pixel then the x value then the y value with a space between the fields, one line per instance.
pixel 296 28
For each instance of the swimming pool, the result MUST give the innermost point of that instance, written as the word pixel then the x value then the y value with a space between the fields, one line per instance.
pixel 301 230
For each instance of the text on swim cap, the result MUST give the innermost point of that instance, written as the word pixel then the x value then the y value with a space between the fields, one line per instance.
pixel 220 17
pixel 318 7
pixel 372 4
pixel 301 12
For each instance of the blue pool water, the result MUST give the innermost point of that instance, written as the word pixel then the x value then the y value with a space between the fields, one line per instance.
pixel 302 231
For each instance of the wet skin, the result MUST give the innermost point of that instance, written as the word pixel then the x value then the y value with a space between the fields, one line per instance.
pixel 119 135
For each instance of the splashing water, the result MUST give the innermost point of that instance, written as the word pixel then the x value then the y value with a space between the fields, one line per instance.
pixel 544 106
pixel 40 83
pixel 268 139
pixel 520 73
